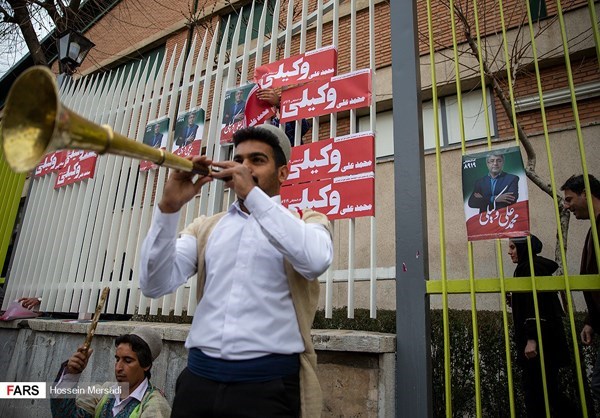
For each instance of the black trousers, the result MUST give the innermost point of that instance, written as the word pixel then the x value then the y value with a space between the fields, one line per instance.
pixel 560 405
pixel 199 397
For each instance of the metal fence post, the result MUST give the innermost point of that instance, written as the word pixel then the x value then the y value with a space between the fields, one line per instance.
pixel 413 359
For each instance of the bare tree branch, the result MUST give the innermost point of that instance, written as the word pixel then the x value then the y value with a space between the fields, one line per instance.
pixel 21 15
pixel 7 17
pixel 519 49
pixel 50 8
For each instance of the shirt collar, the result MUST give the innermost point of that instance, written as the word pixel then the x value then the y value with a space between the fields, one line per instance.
pixel 138 393
pixel 235 207
pixel 497 177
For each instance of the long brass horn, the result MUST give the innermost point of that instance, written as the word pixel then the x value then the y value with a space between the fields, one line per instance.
pixel 36 123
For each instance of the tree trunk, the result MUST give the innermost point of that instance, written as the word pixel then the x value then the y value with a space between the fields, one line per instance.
pixel 21 14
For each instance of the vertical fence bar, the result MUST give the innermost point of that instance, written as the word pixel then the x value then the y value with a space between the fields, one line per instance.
pixel 511 395
pixel 583 159
pixel 138 234
pixel 174 102
pixel 373 128
pixel 442 232
pixel 474 325
pixel 413 361
pixel 332 134
pixel 11 186
pixel 122 264
pixel 188 212
pixel 216 187
pixel 594 23
pixel 538 326
pixel 210 143
pixel 147 177
pixel 475 328
pixel 175 66
pixel 574 108
pixel 352 221
pixel 574 335
pixel 26 237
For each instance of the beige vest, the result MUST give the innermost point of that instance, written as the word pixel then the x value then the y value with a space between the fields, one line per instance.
pixel 305 296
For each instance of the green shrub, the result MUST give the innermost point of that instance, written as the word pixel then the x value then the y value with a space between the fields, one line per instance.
pixel 492 359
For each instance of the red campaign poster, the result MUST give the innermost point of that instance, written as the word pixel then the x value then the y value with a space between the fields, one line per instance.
pixel 52 162
pixel 344 155
pixel 257 111
pixel 193 148
pixel 495 196
pixel 343 92
pixel 79 165
pixel 319 64
pixel 339 198
pixel 509 222
pixel 147 165
pixel 243 108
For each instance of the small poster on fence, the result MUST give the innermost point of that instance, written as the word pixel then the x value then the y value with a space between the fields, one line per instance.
pixel 156 135
pixel 495 194
pixel 188 132
pixel 243 108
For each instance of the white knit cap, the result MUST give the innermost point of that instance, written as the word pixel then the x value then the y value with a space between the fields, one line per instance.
pixel 282 139
pixel 150 337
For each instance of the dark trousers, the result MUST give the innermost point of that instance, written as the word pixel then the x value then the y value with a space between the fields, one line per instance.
pixel 533 389
pixel 196 396
pixel 595 385
pixel 596 379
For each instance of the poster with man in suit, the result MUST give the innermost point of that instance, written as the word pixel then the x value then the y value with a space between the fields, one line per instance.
pixel 189 128
pixel 156 135
pixel 495 194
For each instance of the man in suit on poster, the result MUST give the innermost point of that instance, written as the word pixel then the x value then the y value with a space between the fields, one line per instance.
pixel 188 133
pixel 497 189
pixel 235 113
pixel 157 137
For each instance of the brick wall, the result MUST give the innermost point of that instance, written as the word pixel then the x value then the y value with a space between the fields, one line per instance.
pixel 130 25
pixel 489 18
pixel 584 70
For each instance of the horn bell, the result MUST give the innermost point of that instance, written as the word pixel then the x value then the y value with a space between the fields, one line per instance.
pixel 35 123
pixel 29 119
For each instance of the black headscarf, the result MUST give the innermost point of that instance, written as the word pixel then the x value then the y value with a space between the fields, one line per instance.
pixel 542 266
pixel 521 246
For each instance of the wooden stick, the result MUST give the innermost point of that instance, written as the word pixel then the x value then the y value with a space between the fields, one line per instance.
pixel 92 328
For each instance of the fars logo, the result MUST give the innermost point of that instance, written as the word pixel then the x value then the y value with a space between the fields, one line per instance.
pixel 22 390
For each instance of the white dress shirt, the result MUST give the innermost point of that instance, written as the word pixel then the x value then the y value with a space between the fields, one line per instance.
pixel 246 311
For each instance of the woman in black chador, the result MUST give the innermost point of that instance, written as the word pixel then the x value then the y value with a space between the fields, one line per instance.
pixel 556 353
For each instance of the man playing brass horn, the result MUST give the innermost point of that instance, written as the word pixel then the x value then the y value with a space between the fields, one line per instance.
pixel 249 345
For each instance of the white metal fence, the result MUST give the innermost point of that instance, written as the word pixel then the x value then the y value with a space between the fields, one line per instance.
pixel 77 239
